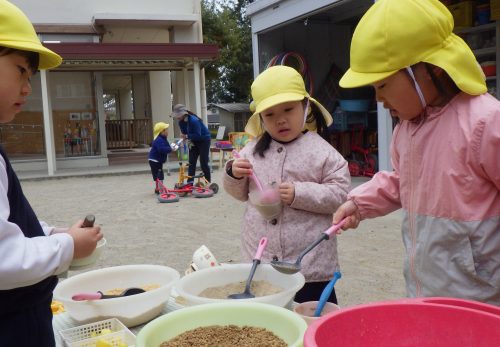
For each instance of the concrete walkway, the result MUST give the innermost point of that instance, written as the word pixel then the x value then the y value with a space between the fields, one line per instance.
pixel 112 170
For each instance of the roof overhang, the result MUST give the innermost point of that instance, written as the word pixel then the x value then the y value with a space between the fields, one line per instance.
pixel 133 56
pixel 148 19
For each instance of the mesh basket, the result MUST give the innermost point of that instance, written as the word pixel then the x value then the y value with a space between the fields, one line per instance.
pixel 84 335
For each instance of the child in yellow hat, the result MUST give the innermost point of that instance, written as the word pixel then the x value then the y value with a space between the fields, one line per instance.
pixel 444 149
pixel 290 151
pixel 160 148
pixel 32 253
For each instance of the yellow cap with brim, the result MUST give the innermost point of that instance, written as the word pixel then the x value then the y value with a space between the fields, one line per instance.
pixel 158 128
pixel 395 34
pixel 276 85
pixel 16 31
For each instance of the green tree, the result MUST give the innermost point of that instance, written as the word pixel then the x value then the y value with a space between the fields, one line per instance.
pixel 229 77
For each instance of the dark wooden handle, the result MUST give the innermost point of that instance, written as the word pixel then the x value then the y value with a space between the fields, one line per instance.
pixel 88 222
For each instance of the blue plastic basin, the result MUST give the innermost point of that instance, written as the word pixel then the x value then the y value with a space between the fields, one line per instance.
pixel 360 105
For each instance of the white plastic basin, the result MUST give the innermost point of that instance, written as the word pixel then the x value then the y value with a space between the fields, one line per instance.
pixel 130 310
pixel 190 286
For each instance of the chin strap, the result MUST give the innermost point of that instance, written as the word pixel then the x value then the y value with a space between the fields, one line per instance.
pixel 417 87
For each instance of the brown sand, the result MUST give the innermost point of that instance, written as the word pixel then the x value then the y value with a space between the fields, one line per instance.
pixel 139 230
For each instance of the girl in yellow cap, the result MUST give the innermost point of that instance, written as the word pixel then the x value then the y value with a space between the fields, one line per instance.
pixel 32 253
pixel 290 151
pixel 160 148
pixel 444 149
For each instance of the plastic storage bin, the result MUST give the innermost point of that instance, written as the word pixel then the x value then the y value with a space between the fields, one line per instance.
pixel 444 322
pixel 83 336
pixel 463 13
pixel 495 9
pixel 483 14
pixel 343 121
pixel 356 105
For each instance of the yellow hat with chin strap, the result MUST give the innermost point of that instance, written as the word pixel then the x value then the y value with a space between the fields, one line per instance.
pixel 16 31
pixel 276 85
pixel 158 128
pixel 395 34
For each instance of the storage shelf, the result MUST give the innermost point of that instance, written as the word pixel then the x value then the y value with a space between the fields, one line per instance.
pixel 484 51
pixel 476 29
pixel 491 78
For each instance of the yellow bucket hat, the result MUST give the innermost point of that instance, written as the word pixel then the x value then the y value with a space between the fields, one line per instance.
pixel 395 34
pixel 158 128
pixel 276 85
pixel 16 31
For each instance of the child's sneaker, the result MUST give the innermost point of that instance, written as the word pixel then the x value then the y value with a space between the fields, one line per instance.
pixel 157 192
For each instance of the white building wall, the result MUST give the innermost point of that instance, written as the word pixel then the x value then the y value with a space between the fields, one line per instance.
pixel 81 12
pixel 161 105
pixel 126 111
pixel 141 104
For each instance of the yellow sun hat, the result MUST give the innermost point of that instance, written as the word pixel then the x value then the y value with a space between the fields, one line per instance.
pixel 16 31
pixel 276 85
pixel 158 128
pixel 395 34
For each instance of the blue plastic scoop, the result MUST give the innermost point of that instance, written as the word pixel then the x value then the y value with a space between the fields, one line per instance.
pixel 326 293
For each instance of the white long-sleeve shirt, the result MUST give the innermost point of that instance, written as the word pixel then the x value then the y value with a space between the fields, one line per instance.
pixel 25 261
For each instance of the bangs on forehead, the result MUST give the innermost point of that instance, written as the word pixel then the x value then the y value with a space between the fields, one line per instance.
pixel 32 58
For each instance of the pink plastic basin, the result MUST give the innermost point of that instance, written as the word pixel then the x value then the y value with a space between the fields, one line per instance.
pixel 443 322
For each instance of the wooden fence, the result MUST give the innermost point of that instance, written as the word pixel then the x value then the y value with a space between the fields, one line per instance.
pixel 128 133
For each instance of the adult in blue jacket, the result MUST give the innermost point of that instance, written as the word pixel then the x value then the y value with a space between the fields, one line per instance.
pixel 193 129
pixel 160 148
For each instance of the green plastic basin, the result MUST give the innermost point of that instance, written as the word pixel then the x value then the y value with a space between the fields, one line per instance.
pixel 282 322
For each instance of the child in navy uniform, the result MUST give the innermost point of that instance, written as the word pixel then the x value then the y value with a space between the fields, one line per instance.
pixel 160 148
pixel 32 253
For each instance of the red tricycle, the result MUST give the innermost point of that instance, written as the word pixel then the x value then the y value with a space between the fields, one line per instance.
pixel 361 161
pixel 201 189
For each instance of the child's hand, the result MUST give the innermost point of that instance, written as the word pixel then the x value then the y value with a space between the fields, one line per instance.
pixel 84 239
pixel 287 192
pixel 241 168
pixel 350 210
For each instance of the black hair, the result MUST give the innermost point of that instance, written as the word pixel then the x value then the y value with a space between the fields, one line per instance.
pixel 444 85
pixel 315 116
pixel 32 58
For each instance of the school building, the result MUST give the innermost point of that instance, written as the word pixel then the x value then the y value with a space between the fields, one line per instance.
pixel 125 64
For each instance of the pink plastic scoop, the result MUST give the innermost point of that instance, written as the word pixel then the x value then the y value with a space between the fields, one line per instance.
pixel 100 295
pixel 256 261
pixel 252 176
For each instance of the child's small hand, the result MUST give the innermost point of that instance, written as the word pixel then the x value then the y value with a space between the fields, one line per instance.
pixel 241 168
pixel 287 192
pixel 350 210
pixel 84 239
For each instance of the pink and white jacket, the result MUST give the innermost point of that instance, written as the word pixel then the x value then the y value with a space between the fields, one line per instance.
pixel 321 180
pixel 446 179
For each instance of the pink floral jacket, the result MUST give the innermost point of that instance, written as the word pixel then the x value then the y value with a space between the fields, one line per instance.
pixel 322 181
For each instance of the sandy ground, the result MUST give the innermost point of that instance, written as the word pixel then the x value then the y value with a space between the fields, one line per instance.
pixel 139 230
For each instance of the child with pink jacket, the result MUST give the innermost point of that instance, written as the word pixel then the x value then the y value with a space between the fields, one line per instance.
pixel 445 149
pixel 312 177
